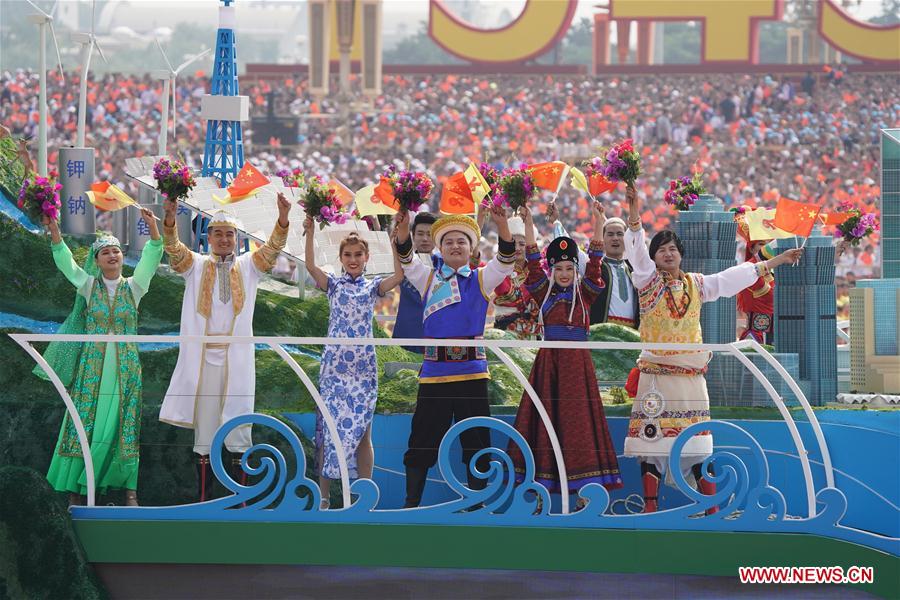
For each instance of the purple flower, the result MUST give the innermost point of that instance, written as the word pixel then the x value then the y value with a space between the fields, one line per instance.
pixel 858 231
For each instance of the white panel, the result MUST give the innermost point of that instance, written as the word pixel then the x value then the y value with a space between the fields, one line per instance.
pixel 225 108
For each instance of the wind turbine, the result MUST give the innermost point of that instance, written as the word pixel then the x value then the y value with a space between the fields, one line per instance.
pixel 169 78
pixel 42 20
pixel 88 42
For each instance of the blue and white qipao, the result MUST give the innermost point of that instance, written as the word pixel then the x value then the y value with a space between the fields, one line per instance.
pixel 348 379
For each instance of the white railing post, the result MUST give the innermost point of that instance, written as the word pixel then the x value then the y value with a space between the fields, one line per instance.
pixel 90 484
pixel 801 398
pixel 326 415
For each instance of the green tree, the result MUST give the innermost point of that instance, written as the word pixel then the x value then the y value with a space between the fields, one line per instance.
pixel 418 49
pixel 681 43
pixel 890 13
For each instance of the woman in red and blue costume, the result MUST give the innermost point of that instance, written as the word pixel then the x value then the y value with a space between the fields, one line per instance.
pixel 564 378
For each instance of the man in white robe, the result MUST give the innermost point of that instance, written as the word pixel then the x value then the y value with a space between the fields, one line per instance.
pixel 214 383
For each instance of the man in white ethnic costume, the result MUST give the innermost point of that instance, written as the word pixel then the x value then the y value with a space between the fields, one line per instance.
pixel 214 383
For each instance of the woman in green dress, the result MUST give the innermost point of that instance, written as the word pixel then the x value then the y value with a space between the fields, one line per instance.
pixel 103 378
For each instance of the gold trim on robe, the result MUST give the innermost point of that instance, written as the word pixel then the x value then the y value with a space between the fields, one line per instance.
pixel 264 256
pixel 181 259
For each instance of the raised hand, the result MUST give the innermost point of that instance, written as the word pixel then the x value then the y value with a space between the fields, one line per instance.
pixel 150 219
pixel 552 212
pixel 598 218
pixel 308 226
pixel 284 208
pixel 52 226
pixel 501 220
pixel 791 256
pixel 401 226
pixel 634 206
pixel 481 219
pixel 170 208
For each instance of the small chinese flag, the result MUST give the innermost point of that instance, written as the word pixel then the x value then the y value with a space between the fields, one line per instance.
pixel 795 217
pixel 107 196
pixel 248 179
pixel 549 175
pixel 456 196
pixel 833 218
pixel 597 184
pixel 384 193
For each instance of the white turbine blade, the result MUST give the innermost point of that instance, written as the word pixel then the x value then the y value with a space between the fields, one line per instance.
pixel 58 56
pixel 93 6
pixel 53 10
pixel 163 52
pixel 174 111
pixel 99 49
pixel 190 60
pixel 37 8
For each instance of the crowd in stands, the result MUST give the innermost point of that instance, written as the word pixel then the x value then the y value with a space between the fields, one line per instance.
pixel 756 138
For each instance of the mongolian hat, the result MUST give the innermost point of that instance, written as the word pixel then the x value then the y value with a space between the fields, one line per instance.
pixel 560 249
pixel 459 223
pixel 224 219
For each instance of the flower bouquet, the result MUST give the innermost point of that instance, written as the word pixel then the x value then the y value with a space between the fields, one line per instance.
pixel 857 226
pixel 596 181
pixel 621 163
pixel 489 173
pixel 321 202
pixel 173 178
pixel 410 188
pixel 513 187
pixel 39 197
pixel 684 191
pixel 292 178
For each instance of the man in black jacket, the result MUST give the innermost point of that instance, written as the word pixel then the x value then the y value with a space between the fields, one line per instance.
pixel 618 301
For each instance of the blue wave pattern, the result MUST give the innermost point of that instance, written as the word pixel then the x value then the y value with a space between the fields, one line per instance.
pixel 747 502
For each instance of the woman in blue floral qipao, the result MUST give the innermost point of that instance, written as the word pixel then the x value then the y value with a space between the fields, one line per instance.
pixel 348 378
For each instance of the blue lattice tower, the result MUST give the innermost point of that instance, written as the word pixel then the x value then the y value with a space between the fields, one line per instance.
pixel 805 320
pixel 224 110
pixel 709 234
pixel 890 203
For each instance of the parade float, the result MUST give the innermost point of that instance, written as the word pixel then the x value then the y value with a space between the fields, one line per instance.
pixel 804 459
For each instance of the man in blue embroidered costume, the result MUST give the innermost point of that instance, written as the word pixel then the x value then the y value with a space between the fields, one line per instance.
pixel 214 383
pixel 453 381
pixel 409 312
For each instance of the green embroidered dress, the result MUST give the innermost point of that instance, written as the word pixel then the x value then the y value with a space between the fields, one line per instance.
pixel 106 387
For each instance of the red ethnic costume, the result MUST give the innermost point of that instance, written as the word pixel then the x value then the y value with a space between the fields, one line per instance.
pixel 565 380
pixel 515 310
pixel 758 300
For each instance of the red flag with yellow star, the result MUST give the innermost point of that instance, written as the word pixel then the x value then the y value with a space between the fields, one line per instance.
pixel 549 175
pixel 248 179
pixel 456 196
pixel 795 217
pixel 833 218
pixel 597 184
